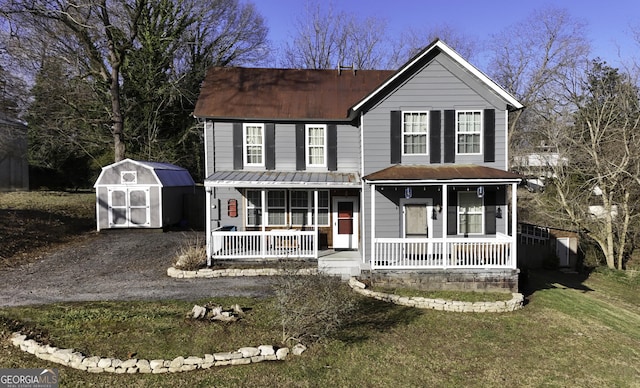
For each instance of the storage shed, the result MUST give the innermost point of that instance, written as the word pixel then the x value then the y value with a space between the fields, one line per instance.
pixel 139 194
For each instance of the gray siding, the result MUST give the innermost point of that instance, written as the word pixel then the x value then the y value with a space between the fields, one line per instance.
pixel 441 85
pixel 220 148
pixel 223 194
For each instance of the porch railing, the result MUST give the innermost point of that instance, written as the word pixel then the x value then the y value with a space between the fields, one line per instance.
pixel 261 245
pixel 438 253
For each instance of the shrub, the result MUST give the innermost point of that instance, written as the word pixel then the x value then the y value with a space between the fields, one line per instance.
pixel 192 255
pixel 312 307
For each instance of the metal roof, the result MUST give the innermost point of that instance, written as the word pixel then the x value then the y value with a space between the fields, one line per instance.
pixel 284 94
pixel 283 179
pixel 429 173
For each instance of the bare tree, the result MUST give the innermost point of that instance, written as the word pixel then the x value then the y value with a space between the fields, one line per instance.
pixel 531 59
pixel 326 39
pixel 598 188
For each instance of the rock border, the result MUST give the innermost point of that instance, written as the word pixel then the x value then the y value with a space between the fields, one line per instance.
pixel 216 273
pixel 96 364
pixel 515 303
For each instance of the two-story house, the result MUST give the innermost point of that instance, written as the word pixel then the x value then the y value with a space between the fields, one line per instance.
pixel 407 170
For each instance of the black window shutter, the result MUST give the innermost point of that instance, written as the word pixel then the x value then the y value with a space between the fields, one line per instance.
pixel 434 136
pixel 396 136
pixel 449 136
pixel 332 147
pixel 490 210
pixel 452 212
pixel 489 135
pixel 237 146
pixel 300 149
pixel 270 140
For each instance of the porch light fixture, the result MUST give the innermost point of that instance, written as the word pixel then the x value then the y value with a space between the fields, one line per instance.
pixel 436 209
pixel 499 212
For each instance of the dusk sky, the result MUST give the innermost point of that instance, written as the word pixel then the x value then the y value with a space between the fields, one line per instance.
pixel 609 22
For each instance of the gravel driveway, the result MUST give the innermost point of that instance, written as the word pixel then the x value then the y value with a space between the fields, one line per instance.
pixel 117 265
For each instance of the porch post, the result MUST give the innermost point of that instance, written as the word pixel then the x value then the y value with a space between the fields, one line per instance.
pixel 514 226
pixel 315 223
pixel 373 226
pixel 445 223
pixel 263 221
pixel 207 196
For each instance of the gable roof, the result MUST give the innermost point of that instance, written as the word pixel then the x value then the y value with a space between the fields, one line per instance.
pixel 420 59
pixel 284 94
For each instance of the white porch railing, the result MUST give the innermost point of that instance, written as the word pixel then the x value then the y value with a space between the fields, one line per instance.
pixel 438 253
pixel 262 245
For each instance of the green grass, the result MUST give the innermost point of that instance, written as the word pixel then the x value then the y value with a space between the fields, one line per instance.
pixel 573 332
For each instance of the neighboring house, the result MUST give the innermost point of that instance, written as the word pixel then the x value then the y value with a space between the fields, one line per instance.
pixel 400 172
pixel 14 168
pixel 538 166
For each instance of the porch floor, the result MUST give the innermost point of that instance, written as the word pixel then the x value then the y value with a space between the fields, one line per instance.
pixel 343 263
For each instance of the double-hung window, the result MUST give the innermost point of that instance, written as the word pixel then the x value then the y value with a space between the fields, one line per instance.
pixel 469 131
pixel 470 213
pixel 316 145
pixel 254 207
pixel 302 212
pixel 276 207
pixel 253 144
pixel 415 131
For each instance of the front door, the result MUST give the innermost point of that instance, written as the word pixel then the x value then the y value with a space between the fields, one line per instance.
pixel 129 207
pixel 345 223
pixel 416 218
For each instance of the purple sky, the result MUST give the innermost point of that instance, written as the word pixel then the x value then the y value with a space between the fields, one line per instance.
pixel 608 22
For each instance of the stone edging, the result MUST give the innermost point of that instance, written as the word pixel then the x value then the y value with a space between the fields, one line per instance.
pixel 95 364
pixel 216 273
pixel 516 302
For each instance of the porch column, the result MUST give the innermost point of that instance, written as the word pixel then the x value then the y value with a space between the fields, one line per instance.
pixel 207 196
pixel 315 223
pixel 514 226
pixel 445 223
pixel 263 221
pixel 373 226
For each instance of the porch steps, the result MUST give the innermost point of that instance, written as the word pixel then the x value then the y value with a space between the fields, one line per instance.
pixel 341 263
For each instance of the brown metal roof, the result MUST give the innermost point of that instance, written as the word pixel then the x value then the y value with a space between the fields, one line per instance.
pixel 285 94
pixel 440 172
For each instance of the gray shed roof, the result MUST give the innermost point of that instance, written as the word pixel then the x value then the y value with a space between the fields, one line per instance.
pixel 169 175
pixel 283 179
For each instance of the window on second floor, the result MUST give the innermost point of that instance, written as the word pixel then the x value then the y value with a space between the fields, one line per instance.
pixel 253 144
pixel 316 145
pixel 415 133
pixel 469 132
pixel 470 213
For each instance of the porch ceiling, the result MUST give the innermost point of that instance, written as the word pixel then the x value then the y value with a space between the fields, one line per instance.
pixel 441 174
pixel 283 179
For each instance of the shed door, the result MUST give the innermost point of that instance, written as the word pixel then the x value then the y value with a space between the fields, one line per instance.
pixel 562 251
pixel 129 207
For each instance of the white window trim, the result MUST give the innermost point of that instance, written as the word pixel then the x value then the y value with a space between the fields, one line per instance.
pixel 244 144
pixel 482 215
pixel 405 133
pixel 308 146
pixel 481 131
pixel 309 209
pixel 247 208
pixel 283 207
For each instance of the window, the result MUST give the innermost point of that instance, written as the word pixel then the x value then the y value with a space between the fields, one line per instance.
pixel 301 205
pixel 414 133
pixel 470 213
pixel 276 207
pixel 253 144
pixel 254 208
pixel 468 131
pixel 316 145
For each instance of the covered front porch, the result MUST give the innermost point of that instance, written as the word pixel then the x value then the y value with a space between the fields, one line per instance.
pixel 442 218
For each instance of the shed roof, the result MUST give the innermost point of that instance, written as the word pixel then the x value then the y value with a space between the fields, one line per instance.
pixel 284 94
pixel 169 175
pixel 427 173
pixel 283 179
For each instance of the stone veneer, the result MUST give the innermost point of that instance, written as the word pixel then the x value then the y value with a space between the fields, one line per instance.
pixel 95 364
pixel 216 273
pixel 515 303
